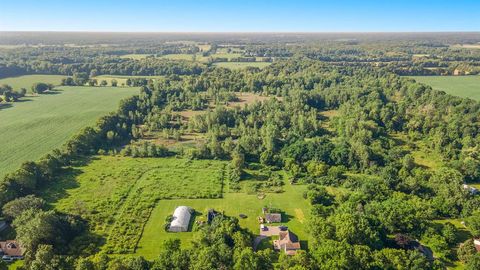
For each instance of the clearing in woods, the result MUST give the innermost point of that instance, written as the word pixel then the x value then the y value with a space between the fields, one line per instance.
pixel 38 124
pixel 232 204
pixel 127 200
pixel 195 139
pixel 117 194
pixel 462 86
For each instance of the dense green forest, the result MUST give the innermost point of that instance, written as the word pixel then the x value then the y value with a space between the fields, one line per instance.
pixel 337 114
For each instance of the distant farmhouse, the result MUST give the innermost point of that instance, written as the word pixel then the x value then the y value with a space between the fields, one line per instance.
pixel 181 219
pixel 287 242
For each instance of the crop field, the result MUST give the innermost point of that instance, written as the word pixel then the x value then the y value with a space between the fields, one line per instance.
pixel 240 65
pixel 27 81
pixel 36 125
pixel 462 86
pixel 296 211
pixel 117 194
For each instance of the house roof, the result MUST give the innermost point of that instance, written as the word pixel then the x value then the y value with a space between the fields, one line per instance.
pixel 273 217
pixel 288 242
pixel 11 248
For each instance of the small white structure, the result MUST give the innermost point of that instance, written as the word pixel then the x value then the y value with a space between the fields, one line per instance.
pixel 181 219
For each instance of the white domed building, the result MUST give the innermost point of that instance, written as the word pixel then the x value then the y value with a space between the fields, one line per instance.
pixel 181 219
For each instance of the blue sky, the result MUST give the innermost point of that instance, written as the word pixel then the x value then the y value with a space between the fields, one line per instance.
pixel 240 16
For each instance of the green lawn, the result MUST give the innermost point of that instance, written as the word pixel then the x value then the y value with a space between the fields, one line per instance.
pixel 240 65
pixel 296 209
pixel 28 80
pixel 462 86
pixel 36 125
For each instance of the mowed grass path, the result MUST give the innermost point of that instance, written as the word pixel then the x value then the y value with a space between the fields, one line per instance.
pixel 462 86
pixel 37 125
pixel 296 212
pixel 27 81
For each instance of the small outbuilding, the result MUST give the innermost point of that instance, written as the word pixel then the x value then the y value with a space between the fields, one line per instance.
pixel 181 219
pixel 273 217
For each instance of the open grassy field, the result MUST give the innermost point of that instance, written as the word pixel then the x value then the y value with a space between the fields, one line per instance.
pixel 240 65
pixel 296 211
pixel 182 56
pixel 462 86
pixel 136 56
pixel 36 125
pixel 27 81
pixel 117 194
pixel 121 79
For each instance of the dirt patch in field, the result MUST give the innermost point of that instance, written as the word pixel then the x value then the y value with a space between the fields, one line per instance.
pixel 247 99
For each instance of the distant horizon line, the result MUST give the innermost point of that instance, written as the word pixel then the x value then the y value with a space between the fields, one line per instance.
pixel 237 32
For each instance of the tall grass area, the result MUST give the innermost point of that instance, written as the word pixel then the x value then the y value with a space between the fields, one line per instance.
pixel 27 81
pixel 36 125
pixel 462 86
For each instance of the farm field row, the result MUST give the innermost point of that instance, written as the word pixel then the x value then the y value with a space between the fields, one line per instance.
pixel 38 124
pixel 462 86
